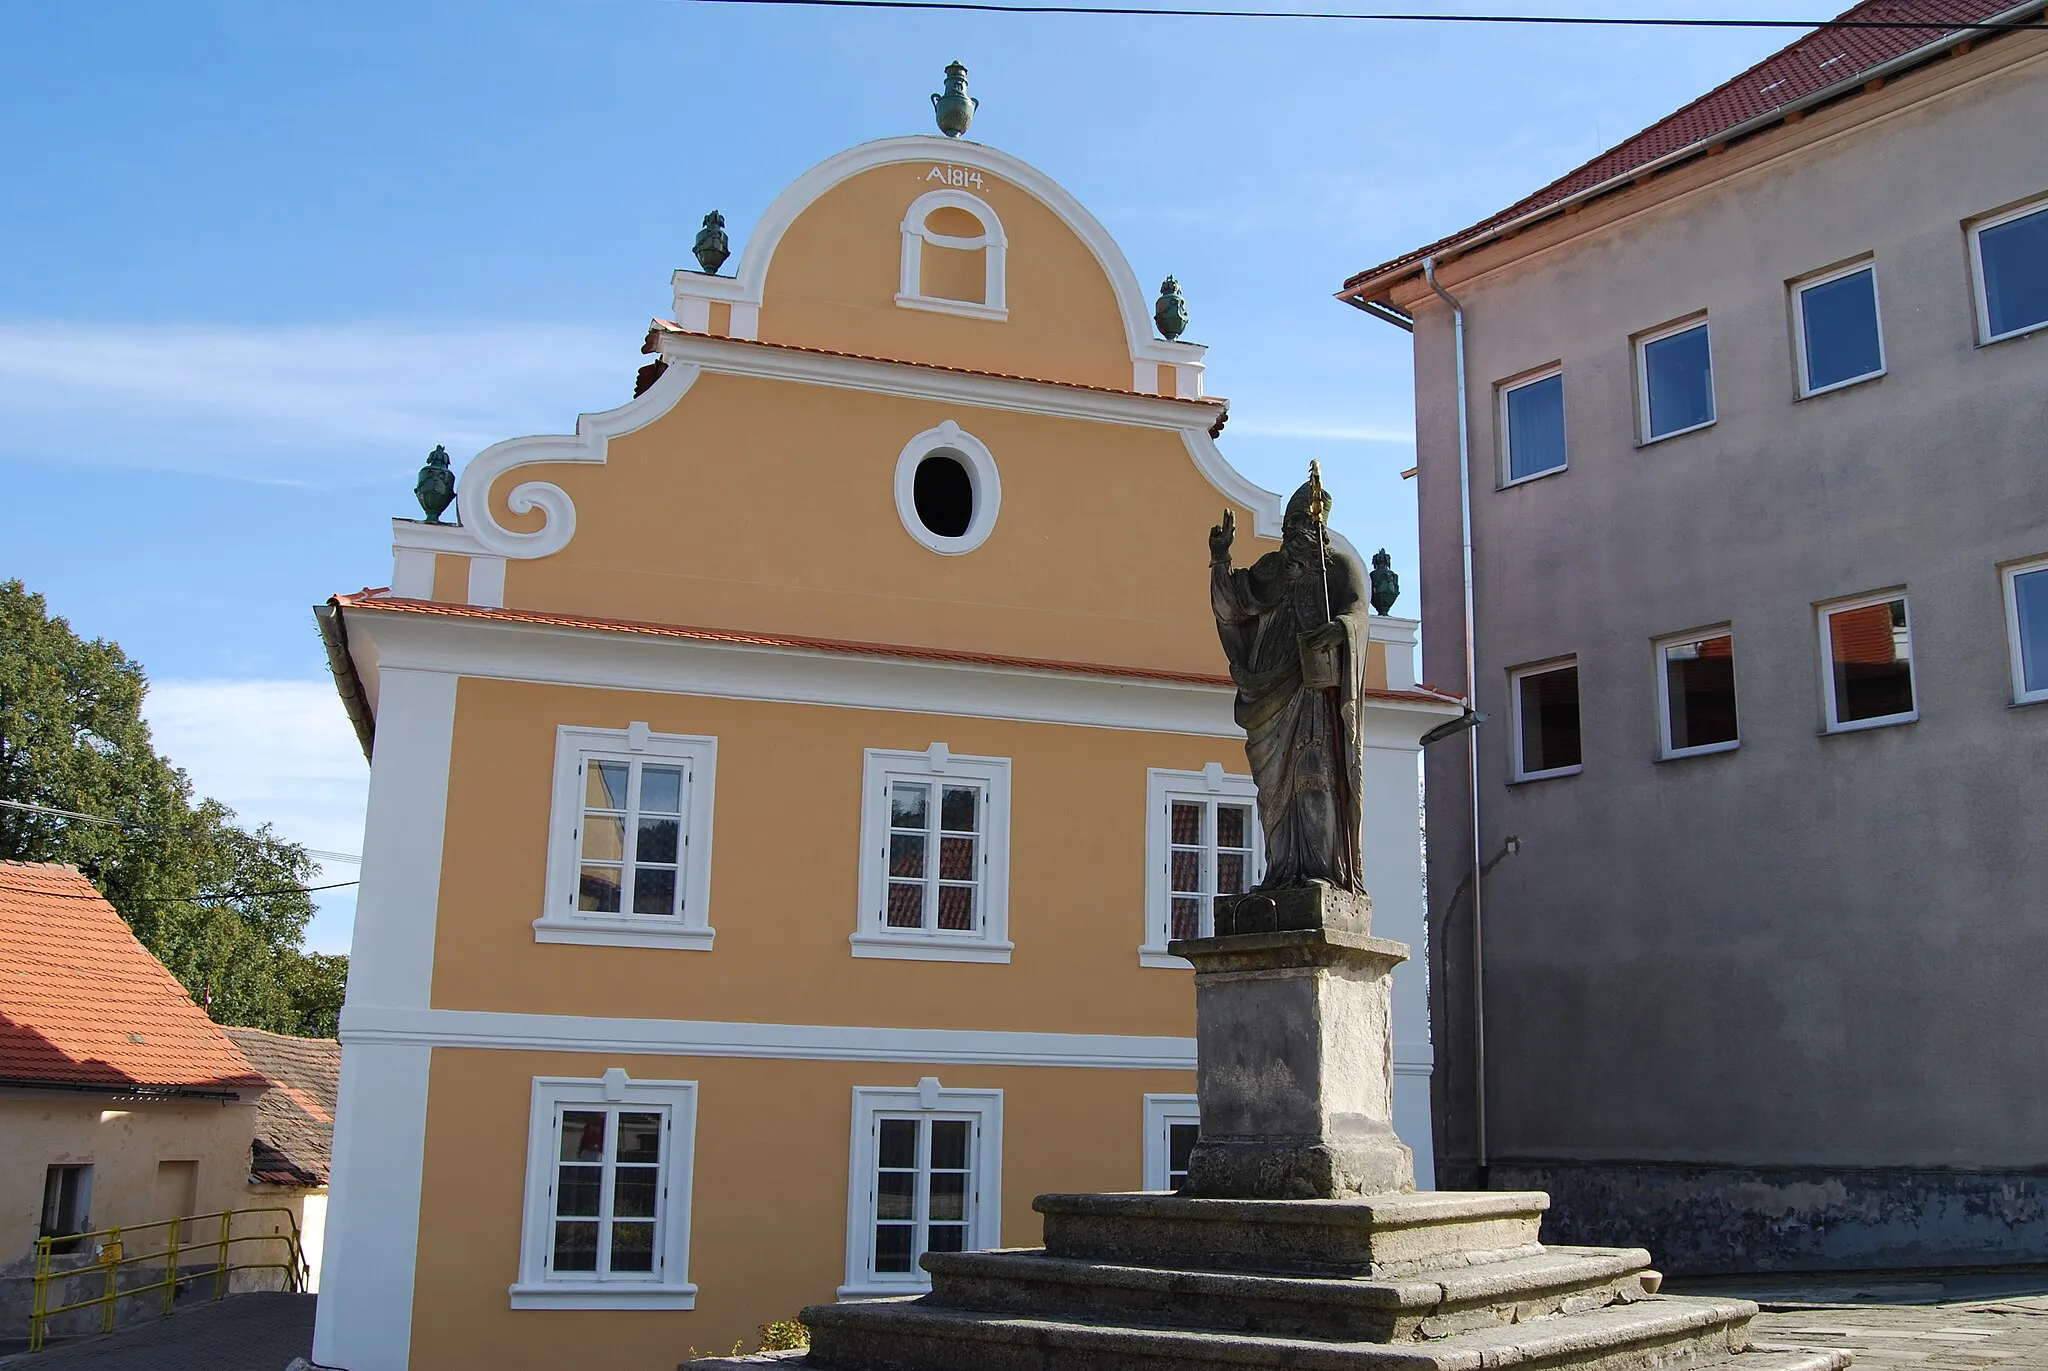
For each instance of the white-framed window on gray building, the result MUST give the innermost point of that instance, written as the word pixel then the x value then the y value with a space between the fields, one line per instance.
pixel 1835 329
pixel 1867 662
pixel 1202 843
pixel 606 1223
pixel 1544 722
pixel 1532 426
pixel 2010 254
pixel 2026 611
pixel 925 1175
pixel 934 857
pixel 629 848
pixel 1696 693
pixel 1172 1125
pixel 1674 380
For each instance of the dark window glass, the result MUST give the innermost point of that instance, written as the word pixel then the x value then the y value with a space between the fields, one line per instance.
pixel 2015 263
pixel 1872 655
pixel 1678 378
pixel 944 495
pixel 1536 427
pixel 2030 597
pixel 1548 702
pixel 1838 320
pixel 1699 685
pixel 1180 1145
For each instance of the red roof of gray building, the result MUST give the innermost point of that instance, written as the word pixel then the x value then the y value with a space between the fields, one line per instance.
pixel 84 1006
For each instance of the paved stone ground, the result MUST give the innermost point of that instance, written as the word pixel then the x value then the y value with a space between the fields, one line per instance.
pixel 1923 1323
pixel 260 1332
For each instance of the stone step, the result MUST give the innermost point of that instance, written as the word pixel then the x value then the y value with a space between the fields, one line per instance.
pixel 914 1335
pixel 1377 1235
pixel 1782 1359
pixel 1030 1282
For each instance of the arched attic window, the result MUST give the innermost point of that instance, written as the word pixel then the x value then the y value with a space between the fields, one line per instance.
pixel 953 249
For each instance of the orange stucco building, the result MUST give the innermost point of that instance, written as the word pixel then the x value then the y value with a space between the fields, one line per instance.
pixel 783 791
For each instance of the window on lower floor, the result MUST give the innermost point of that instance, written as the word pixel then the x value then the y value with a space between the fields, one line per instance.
pixel 1696 693
pixel 1675 371
pixel 1867 666
pixel 2012 272
pixel 925 1177
pixel 2026 606
pixel 934 856
pixel 1173 1123
pixel 1546 720
pixel 67 1202
pixel 1202 844
pixel 1836 328
pixel 607 1215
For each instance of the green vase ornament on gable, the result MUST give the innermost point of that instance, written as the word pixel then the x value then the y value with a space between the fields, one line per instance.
pixel 955 109
pixel 435 489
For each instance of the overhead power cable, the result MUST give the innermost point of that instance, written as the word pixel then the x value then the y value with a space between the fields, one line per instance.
pixel 197 897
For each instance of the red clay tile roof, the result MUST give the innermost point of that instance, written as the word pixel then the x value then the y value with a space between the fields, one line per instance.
pixel 295 1118
pixel 1824 61
pixel 84 1005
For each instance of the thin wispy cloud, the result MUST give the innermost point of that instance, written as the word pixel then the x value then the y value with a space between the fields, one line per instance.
pixel 1326 433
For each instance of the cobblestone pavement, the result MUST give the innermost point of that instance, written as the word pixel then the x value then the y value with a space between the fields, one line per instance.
pixel 1998 1323
pixel 260 1332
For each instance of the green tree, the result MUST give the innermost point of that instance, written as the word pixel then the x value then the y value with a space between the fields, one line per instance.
pixel 222 906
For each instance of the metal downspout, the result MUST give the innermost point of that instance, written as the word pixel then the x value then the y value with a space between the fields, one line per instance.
pixel 1471 734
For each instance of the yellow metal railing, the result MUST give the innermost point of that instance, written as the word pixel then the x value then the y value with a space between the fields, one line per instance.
pixel 182 1240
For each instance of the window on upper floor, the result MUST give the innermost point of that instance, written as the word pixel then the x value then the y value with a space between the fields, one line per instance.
pixel 1674 380
pixel 1867 662
pixel 1202 843
pixel 629 854
pixel 953 256
pixel 1173 1124
pixel 948 491
pixel 1545 722
pixel 925 1175
pixel 2026 608
pixel 606 1223
pixel 2011 252
pixel 1696 693
pixel 1835 329
pixel 935 857
pixel 1532 426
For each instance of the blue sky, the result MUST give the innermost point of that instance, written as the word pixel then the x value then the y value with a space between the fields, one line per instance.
pixel 257 258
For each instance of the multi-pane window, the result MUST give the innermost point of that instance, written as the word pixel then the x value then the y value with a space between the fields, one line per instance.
pixel 1180 1145
pixel 2026 600
pixel 1867 645
pixel 607 1192
pixel 1209 857
pixel 632 840
pixel 924 1192
pixel 606 1223
pixel 934 865
pixel 1697 693
pixel 936 856
pixel 67 1203
pixel 2012 272
pixel 1173 1124
pixel 1532 426
pixel 1546 720
pixel 1836 328
pixel 1675 376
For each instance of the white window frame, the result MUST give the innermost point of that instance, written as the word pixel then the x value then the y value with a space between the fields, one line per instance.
pixel 927 1099
pixel 669 1286
pixel 1642 352
pixel 1515 679
pixel 1161 1113
pixel 992 241
pixel 2009 575
pixel 1507 436
pixel 872 936
pixel 1659 647
pixel 1980 289
pixel 1162 788
pixel 1807 389
pixel 1827 661
pixel 987 483
pixel 560 920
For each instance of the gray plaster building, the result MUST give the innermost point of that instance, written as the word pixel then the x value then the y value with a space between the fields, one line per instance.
pixel 1753 411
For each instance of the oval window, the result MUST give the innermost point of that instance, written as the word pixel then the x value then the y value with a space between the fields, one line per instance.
pixel 943 495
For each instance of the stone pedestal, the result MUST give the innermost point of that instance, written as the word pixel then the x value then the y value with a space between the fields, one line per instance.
pixel 1294 1050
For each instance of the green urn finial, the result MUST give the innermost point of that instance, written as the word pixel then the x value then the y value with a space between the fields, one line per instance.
pixel 436 486
pixel 712 247
pixel 955 109
pixel 1386 586
pixel 1171 313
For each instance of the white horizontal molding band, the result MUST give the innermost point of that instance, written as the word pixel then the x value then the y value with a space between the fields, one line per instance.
pixel 367 1024
pixel 615 660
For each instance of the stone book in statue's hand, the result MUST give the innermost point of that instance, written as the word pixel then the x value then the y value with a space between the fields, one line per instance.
pixel 1322 657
